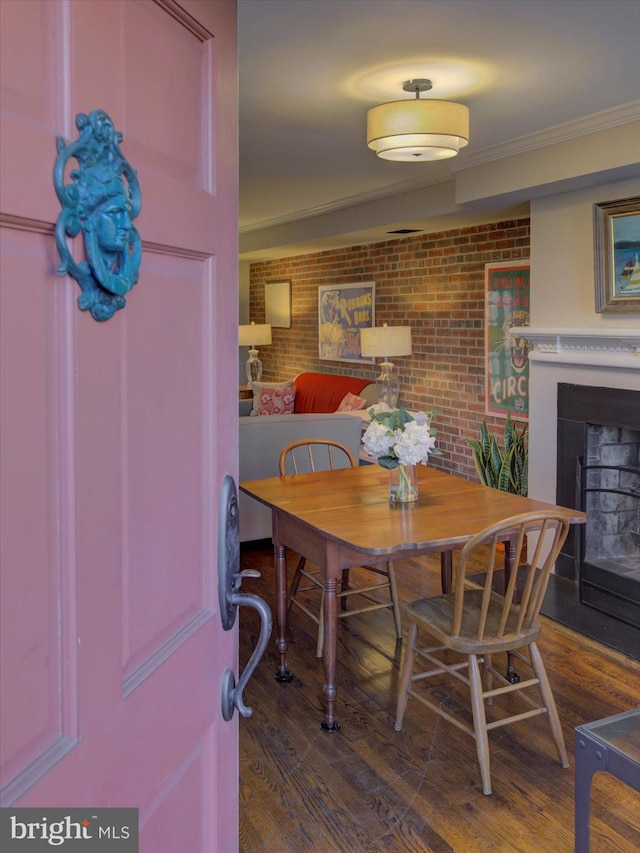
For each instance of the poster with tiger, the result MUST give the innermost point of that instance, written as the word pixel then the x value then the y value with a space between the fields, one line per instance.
pixel 507 351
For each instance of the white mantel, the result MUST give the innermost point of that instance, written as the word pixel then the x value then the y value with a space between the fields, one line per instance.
pixel 596 347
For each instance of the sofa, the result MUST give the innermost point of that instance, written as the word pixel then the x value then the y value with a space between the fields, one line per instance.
pixel 263 437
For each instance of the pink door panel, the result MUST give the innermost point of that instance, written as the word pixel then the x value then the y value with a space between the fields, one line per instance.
pixel 114 439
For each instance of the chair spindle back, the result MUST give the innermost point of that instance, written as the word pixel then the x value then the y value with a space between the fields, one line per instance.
pixel 519 611
pixel 311 454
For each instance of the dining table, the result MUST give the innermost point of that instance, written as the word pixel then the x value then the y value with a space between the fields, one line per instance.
pixel 339 519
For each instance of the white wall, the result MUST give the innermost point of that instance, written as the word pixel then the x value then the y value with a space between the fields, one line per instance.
pixel 562 259
pixel 563 297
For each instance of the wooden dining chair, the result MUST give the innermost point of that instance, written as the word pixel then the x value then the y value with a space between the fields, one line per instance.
pixel 321 454
pixel 473 622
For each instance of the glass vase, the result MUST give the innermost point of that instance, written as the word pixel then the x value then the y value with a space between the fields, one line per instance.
pixel 403 484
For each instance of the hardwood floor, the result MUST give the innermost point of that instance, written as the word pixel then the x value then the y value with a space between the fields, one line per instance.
pixel 369 788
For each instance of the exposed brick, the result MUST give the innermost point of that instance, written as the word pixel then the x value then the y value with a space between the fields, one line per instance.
pixel 435 283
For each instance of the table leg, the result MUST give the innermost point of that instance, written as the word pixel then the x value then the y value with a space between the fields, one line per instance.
pixel 329 723
pixel 446 570
pixel 586 765
pixel 280 561
pixel 509 555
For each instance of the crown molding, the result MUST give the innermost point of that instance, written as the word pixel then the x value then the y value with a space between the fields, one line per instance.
pixel 593 123
pixel 346 202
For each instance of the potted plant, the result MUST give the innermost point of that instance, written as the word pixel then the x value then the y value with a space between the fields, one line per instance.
pixel 504 468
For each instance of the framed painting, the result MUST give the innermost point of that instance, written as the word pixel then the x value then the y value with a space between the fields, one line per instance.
pixel 506 351
pixel 344 309
pixel 617 255
pixel 277 303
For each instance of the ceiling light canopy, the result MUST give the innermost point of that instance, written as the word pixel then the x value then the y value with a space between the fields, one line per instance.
pixel 418 130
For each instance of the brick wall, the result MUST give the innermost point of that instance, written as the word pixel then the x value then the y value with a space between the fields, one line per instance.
pixel 435 284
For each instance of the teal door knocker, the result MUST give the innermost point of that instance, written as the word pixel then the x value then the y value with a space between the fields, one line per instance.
pixel 99 202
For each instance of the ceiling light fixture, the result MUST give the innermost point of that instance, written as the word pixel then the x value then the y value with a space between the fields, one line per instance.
pixel 418 130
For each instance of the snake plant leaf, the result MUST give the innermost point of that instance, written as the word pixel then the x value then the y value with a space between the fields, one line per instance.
pixel 505 479
pixel 510 435
pixel 506 469
pixel 478 460
pixel 524 483
pixel 495 457
pixel 490 476
pixel 485 439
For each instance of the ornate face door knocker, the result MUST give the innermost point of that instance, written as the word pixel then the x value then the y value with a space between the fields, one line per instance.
pixel 102 205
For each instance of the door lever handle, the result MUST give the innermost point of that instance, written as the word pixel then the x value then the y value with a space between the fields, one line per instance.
pixel 232 692
pixel 229 582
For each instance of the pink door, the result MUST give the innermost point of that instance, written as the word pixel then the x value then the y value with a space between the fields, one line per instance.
pixel 116 436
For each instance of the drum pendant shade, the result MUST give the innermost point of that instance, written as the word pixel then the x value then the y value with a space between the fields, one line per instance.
pixel 418 130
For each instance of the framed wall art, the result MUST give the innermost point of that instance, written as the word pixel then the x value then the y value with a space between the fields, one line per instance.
pixel 344 309
pixel 617 255
pixel 506 352
pixel 277 303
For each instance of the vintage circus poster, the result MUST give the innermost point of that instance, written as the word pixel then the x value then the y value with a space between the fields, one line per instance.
pixel 344 309
pixel 507 351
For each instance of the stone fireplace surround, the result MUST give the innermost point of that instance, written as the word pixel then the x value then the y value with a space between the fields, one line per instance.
pixel 603 357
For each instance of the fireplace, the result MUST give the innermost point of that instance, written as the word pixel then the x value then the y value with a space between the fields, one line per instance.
pixel 598 471
pixel 603 359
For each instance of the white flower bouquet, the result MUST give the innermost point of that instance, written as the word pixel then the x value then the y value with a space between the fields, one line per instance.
pixel 400 442
pixel 397 438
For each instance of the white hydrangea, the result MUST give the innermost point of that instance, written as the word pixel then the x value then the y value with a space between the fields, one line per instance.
pixel 409 445
pixel 413 444
pixel 377 440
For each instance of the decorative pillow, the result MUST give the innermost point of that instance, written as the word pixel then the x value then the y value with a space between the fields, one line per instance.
pixel 351 402
pixel 257 387
pixel 276 401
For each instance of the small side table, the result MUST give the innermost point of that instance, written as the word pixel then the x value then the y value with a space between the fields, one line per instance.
pixel 612 745
pixel 245 392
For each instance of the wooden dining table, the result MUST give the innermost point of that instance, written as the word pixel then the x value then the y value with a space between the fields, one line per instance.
pixel 343 518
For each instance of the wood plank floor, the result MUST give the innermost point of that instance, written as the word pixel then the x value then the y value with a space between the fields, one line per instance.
pixel 369 788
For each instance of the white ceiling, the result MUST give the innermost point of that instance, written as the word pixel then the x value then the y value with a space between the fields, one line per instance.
pixel 310 70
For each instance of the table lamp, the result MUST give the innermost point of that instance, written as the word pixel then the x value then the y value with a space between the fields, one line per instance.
pixel 386 341
pixel 248 336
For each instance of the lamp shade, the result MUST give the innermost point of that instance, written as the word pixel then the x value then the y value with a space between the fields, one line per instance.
pixel 385 341
pixel 253 335
pixel 420 129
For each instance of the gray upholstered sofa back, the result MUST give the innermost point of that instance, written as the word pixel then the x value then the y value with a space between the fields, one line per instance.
pixel 261 441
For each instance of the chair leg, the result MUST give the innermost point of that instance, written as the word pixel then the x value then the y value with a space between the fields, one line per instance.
pixel 320 642
pixel 405 679
pixel 344 588
pixel 488 677
pixel 549 701
pixel 480 723
pixel 295 583
pixel 394 599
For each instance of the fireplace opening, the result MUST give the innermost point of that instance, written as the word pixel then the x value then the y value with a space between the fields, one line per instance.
pixel 609 485
pixel 599 472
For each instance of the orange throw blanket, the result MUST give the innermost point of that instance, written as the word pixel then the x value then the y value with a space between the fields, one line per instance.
pixel 323 392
